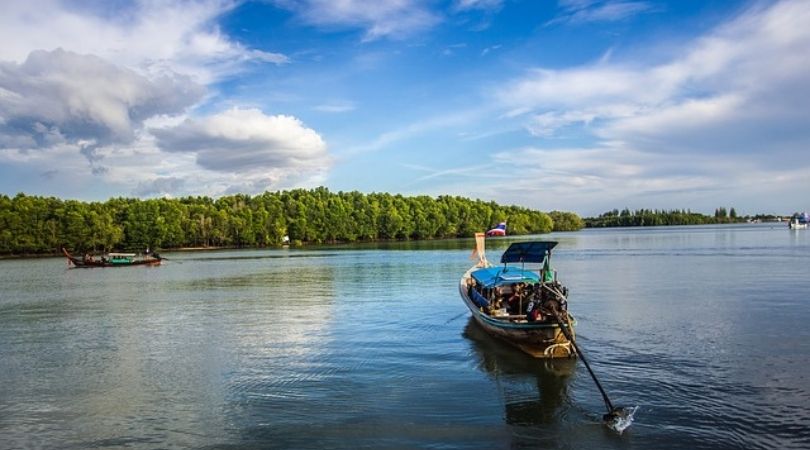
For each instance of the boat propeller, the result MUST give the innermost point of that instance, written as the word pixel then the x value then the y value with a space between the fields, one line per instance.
pixel 620 418
pixel 617 418
pixel 617 413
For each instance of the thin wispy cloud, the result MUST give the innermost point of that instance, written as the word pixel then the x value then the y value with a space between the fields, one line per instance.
pixel 563 176
pixel 395 19
pixel 733 73
pixel 418 128
pixel 451 49
pixel 489 49
pixel 589 11
pixel 485 5
pixel 433 173
pixel 336 107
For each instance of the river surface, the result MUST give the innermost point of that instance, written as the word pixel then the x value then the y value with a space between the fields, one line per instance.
pixel 706 329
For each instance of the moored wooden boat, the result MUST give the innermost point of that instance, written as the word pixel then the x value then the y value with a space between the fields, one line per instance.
pixel 113 260
pixel 521 306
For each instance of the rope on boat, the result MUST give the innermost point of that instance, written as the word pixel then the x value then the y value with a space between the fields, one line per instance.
pixel 456 318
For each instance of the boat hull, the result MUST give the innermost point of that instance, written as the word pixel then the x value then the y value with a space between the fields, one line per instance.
pixel 540 340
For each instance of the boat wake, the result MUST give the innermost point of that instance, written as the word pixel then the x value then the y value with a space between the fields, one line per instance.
pixel 620 418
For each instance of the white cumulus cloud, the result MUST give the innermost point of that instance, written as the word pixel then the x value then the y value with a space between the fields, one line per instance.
pixel 147 36
pixel 62 97
pixel 90 81
pixel 740 89
pixel 247 140
pixel 727 114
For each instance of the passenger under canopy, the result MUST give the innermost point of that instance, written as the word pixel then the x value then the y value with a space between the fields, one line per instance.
pixel 497 276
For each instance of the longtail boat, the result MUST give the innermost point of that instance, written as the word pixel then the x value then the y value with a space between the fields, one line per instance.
pixel 522 306
pixel 113 260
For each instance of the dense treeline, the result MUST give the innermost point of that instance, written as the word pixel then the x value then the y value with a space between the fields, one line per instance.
pixel 649 217
pixel 566 221
pixel 32 224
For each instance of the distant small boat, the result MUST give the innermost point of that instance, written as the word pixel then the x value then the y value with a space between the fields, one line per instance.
pixel 521 306
pixel 499 230
pixel 799 221
pixel 113 260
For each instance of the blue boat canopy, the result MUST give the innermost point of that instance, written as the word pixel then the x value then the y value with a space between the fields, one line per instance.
pixel 527 252
pixel 496 276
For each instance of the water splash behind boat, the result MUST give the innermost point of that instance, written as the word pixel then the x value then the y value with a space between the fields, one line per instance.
pixel 621 418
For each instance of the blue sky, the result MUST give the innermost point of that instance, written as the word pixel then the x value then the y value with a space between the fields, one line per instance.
pixel 579 105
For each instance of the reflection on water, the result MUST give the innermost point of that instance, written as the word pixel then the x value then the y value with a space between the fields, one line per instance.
pixel 535 392
pixel 369 346
pixel 229 256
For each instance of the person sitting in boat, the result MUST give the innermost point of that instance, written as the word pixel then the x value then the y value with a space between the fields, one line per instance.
pixel 496 304
pixel 515 300
pixel 499 294
pixel 533 313
pixel 490 295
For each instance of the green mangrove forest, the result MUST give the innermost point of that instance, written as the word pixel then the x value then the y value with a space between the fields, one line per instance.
pixel 41 225
pixel 651 218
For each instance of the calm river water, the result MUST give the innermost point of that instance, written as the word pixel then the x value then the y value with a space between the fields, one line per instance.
pixel 706 329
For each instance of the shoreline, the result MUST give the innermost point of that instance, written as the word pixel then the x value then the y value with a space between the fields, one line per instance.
pixel 58 254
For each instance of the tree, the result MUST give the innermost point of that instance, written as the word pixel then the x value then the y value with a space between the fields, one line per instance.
pixel 31 224
pixel 566 221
